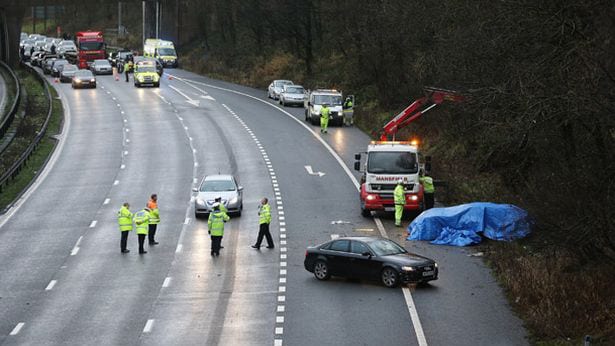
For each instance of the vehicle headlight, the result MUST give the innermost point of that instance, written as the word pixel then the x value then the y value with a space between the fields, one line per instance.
pixel 233 200
pixel 140 78
pixel 408 268
pixel 77 80
pixel 370 197
pixel 435 265
pixel 414 198
pixel 156 78
pixel 92 80
pixel 200 201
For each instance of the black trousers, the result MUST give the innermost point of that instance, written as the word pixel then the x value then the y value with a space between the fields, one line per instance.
pixel 126 73
pixel 124 240
pixel 152 232
pixel 141 241
pixel 263 231
pixel 216 240
pixel 429 200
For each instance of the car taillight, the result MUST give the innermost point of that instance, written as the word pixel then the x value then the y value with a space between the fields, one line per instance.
pixel 306 253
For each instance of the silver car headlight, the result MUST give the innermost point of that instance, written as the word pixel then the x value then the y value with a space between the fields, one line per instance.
pixel 200 201
pixel 233 200
pixel 408 268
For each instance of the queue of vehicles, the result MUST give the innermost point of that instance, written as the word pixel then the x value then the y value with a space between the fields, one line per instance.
pixel 89 52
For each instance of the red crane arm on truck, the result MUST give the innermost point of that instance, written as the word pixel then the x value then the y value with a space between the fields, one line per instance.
pixel 432 98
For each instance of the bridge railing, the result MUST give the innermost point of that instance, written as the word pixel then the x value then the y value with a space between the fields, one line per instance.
pixel 9 116
pixel 14 170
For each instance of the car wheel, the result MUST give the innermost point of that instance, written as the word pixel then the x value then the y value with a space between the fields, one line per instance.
pixel 389 277
pixel 321 270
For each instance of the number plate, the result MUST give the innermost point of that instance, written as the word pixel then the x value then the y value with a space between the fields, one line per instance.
pixel 389 209
pixel 429 273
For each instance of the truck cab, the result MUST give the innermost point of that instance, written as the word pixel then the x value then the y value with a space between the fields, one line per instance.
pixel 317 98
pixel 385 163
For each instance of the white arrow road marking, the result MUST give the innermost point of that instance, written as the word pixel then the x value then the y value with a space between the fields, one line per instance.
pixel 195 103
pixel 311 172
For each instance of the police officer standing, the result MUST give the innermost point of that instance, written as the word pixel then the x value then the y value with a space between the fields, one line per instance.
pixel 124 219
pixel 141 220
pixel 264 219
pixel 399 198
pixel 325 113
pixel 348 111
pixel 126 68
pixel 215 225
pixel 428 190
pixel 154 218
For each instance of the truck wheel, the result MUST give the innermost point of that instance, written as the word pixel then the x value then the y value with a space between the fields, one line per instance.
pixel 365 212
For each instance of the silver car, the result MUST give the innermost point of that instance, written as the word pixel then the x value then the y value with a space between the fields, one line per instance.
pixel 68 72
pixel 292 95
pixel 275 88
pixel 101 66
pixel 224 186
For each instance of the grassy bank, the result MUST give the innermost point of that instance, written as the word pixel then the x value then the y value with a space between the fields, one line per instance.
pixel 36 112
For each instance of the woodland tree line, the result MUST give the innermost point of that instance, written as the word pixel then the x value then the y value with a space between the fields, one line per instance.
pixel 537 130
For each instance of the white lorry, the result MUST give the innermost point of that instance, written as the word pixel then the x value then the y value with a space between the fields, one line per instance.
pixel 387 161
pixel 163 51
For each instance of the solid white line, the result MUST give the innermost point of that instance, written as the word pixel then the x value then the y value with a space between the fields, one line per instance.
pixel 167 282
pixel 93 224
pixel 78 241
pixel 50 164
pixel 381 228
pixel 107 200
pixel 148 326
pixel 51 284
pixel 187 221
pixel 17 328
pixel 416 322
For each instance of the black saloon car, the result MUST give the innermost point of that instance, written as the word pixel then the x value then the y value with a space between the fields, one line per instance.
pixel 369 258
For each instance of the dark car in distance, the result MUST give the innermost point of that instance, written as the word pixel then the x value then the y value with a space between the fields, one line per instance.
pixel 369 258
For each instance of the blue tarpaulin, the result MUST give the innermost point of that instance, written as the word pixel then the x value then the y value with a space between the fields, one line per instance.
pixel 460 225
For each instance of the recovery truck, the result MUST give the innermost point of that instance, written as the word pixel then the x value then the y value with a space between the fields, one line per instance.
pixel 388 160
pixel 90 46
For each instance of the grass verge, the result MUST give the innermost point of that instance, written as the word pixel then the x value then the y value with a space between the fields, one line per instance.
pixel 36 162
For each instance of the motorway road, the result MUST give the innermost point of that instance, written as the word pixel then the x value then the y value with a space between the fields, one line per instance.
pixel 64 281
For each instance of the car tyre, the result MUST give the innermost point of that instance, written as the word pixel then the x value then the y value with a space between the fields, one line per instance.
pixel 321 270
pixel 365 212
pixel 389 277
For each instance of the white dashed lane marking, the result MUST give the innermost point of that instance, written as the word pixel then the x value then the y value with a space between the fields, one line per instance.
pixel 107 200
pixel 148 326
pixel 167 282
pixel 93 224
pixel 17 328
pixel 52 283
